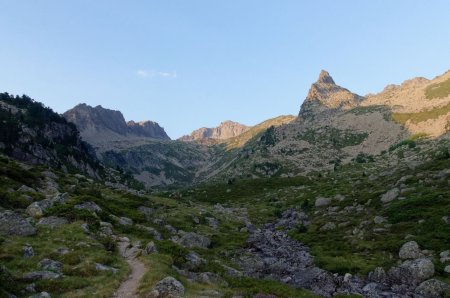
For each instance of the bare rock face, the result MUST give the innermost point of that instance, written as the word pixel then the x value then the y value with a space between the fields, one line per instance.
pixel 98 125
pixel 324 95
pixel 225 130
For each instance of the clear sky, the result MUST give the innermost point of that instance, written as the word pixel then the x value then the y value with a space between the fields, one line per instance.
pixel 193 63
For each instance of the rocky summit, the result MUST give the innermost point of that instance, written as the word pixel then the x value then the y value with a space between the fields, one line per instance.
pixel 226 130
pixel 351 198
pixel 98 125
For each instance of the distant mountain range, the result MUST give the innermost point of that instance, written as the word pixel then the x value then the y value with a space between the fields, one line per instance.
pixel 333 127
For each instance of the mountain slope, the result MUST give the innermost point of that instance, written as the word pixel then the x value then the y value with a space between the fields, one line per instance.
pixel 35 134
pixel 226 130
pixel 99 126
pixel 421 105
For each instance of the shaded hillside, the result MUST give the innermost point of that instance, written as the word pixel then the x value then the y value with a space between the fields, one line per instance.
pixel 35 134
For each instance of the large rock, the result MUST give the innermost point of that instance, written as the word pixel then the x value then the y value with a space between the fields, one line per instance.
pixel 169 287
pixel 28 251
pixel 12 223
pixel 50 265
pixel 125 221
pixel 150 248
pixel 52 221
pixel 321 202
pixel 37 209
pixel 192 239
pixel 90 206
pixel 193 261
pixel 410 250
pixel 433 288
pixel 101 267
pixel 412 272
pixel 390 195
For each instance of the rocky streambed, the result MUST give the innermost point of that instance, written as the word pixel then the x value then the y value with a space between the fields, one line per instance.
pixel 272 254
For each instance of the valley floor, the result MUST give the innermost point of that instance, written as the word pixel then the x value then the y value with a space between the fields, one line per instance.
pixel 373 229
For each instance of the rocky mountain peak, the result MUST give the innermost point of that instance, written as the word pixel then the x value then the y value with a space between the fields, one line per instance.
pixel 325 96
pixel 325 78
pixel 226 129
pixel 98 124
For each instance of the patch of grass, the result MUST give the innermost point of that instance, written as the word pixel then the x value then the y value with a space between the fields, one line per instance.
pixel 80 277
pixel 248 287
pixel 434 113
pixel 438 90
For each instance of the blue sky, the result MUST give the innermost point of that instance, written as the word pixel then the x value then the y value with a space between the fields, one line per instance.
pixel 188 64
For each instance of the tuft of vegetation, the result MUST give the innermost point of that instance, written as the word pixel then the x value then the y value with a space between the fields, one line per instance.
pixel 434 113
pixel 439 90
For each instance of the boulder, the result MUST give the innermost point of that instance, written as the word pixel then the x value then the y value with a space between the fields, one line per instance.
pixel 447 269
pixel 444 256
pixel 432 288
pixel 52 221
pixel 106 228
pixel 28 251
pixel 50 265
pixel 212 222
pixel 101 267
pixel 193 261
pixel 379 219
pixel 328 226
pixel 412 272
pixel 12 223
pixel 150 248
pixel 378 275
pixel 192 239
pixel 321 202
pixel 410 250
pixel 446 219
pixel 169 287
pixel 37 209
pixel 390 195
pixel 125 221
pixel 90 206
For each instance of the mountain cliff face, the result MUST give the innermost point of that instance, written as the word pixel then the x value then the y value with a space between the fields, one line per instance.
pixel 325 96
pixel 421 105
pixel 226 130
pixel 99 126
pixel 334 126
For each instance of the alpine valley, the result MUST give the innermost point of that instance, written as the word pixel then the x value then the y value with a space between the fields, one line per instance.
pixel 350 198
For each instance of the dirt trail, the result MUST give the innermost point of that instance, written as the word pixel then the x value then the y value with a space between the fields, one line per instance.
pixel 129 287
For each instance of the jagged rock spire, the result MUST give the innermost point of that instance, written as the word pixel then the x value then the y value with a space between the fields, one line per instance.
pixel 325 77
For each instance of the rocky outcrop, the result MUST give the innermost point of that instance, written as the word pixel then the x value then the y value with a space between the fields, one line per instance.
pixel 14 224
pixel 99 125
pixel 225 130
pixel 272 254
pixel 325 96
